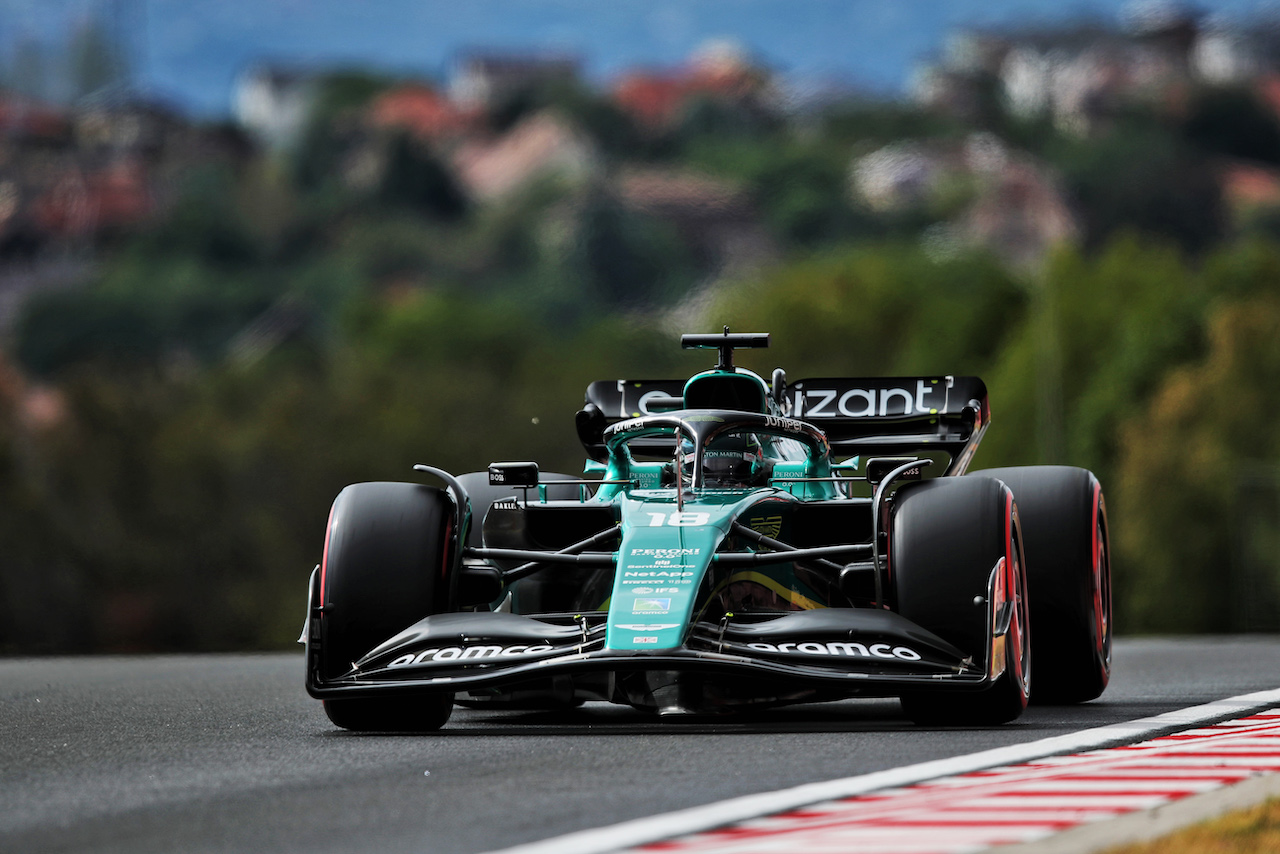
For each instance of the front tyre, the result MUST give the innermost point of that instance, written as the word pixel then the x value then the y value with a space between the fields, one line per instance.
pixel 1064 517
pixel 947 536
pixel 386 566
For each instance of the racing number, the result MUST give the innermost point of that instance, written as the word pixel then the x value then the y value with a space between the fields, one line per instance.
pixel 687 519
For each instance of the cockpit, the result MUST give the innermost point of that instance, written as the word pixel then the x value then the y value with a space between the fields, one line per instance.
pixel 731 460
pixel 710 449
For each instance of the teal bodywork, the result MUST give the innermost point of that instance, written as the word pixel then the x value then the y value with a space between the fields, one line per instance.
pixel 662 561
pixel 670 536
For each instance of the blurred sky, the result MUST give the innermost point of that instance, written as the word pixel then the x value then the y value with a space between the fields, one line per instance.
pixel 190 51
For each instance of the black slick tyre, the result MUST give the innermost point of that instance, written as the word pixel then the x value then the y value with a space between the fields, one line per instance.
pixel 1064 521
pixel 946 537
pixel 385 567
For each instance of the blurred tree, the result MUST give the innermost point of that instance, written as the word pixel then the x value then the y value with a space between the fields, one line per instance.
pixel 340 92
pixel 205 224
pixel 710 117
pixel 1139 176
pixel 332 127
pixel 801 187
pixel 883 309
pixel 592 112
pixel 414 179
pixel 874 123
pixel 1208 425
pixel 1233 122
pixel 596 256
pixel 1092 328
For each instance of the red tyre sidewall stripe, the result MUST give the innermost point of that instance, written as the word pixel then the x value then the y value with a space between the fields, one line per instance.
pixel 1099 595
pixel 1013 566
pixel 324 560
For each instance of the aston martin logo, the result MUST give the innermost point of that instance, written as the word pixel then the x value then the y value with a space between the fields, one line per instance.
pixel 770 526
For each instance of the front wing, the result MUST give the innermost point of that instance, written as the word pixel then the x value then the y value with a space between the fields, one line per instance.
pixel 835 651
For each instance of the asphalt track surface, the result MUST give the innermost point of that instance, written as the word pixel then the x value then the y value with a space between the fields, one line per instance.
pixel 228 754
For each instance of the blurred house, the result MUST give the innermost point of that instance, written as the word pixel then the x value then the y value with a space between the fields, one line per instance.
pixel 273 104
pixel 26 122
pixel 480 80
pixel 716 218
pixel 985 194
pixel 900 175
pixel 543 145
pixel 1079 76
pixel 68 175
pixel 1250 190
pixel 424 113
pixel 134 127
pixel 74 177
pixel 720 71
pixel 1225 55
pixel 1020 215
pixel 85 203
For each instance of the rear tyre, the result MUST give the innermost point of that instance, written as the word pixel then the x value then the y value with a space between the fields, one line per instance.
pixel 385 568
pixel 946 537
pixel 1064 520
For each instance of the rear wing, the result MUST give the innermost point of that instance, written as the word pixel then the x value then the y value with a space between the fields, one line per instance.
pixel 860 416
pixel 897 415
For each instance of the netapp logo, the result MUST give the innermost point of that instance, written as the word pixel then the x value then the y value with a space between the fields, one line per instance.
pixel 460 653
pixel 876 650
pixel 666 554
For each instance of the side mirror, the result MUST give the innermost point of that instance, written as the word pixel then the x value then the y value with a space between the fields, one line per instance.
pixel 590 423
pixel 778 388
pixel 513 474
pixel 663 403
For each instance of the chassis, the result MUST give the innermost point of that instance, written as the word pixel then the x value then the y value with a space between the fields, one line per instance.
pixel 742 543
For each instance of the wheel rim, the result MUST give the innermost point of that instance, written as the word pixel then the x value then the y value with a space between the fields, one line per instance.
pixel 1019 640
pixel 1102 596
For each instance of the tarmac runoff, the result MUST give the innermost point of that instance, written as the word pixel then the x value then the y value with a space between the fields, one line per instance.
pixel 1077 792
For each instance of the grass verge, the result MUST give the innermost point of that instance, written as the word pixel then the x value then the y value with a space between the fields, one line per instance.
pixel 1250 831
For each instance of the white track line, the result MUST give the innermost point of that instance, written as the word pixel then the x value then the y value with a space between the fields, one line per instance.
pixel 640 831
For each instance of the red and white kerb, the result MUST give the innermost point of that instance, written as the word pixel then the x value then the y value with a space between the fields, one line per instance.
pixel 1015 803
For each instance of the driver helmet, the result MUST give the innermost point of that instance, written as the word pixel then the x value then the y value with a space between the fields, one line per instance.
pixel 736 459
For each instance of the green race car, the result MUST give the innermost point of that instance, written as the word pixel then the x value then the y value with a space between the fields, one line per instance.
pixel 737 543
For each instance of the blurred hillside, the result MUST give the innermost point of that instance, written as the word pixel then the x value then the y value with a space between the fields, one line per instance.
pixel 211 329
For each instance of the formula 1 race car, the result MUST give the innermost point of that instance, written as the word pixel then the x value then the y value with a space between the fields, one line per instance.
pixel 741 543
